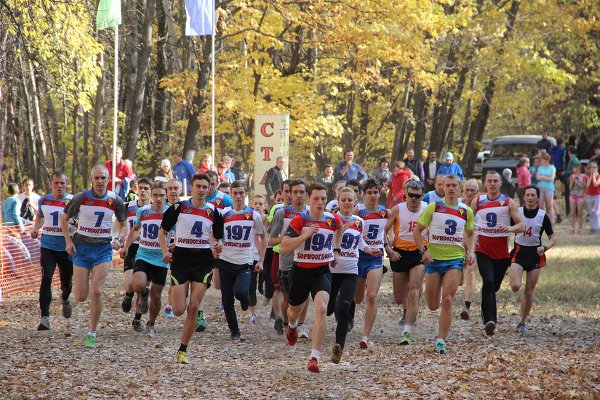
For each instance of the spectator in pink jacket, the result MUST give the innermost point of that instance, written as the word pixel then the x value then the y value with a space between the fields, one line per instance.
pixel 523 177
pixel 396 184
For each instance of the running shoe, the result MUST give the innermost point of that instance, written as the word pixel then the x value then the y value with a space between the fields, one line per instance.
pixel 169 312
pixel 521 328
pixel 336 353
pixel 137 325
pixel 235 336
pixel 90 341
pixel 67 310
pixel 490 327
pixel 364 343
pixel 464 314
pixel 182 357
pixel 279 325
pixel 291 336
pixel 150 329
pixel 200 322
pixel 126 304
pixel 44 324
pixel 254 319
pixel 440 347
pixel 405 339
pixel 303 332
pixel 313 365
pixel 144 301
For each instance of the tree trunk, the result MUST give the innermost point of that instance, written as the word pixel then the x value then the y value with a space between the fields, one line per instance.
pixel 137 97
pixel 75 153
pixel 30 151
pixel 401 124
pixel 98 114
pixel 197 106
pixel 85 168
pixel 41 167
pixel 420 113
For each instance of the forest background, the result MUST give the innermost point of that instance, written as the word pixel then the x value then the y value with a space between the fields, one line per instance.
pixel 369 75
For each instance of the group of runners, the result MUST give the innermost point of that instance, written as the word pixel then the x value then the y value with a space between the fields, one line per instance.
pixel 301 249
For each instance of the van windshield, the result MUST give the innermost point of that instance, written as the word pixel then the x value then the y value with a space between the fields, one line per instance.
pixel 512 150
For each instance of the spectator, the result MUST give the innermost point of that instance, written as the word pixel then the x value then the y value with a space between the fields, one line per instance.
pixel 132 194
pixel 11 207
pixel 577 185
pixel 545 182
pixel 558 154
pixel 123 175
pixel 523 177
pixel 348 170
pixel 450 167
pixel 401 174
pixel 508 187
pixel 570 160
pixel 430 171
pixel 415 164
pixel 534 168
pixel 206 164
pixel 583 147
pixel 571 141
pixel 221 168
pixel 593 191
pixel 383 174
pixel 327 181
pixel 275 177
pixel 29 200
pixel 238 172
pixel 183 170
pixel 544 144
pixel 228 171
pixel 596 155
pixel 165 173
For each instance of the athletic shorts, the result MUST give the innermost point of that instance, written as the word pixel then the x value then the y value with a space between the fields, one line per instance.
pixel 155 274
pixel 527 257
pixel 274 270
pixel 88 255
pixel 305 281
pixel 408 260
pixel 364 266
pixel 284 280
pixel 129 262
pixel 443 266
pixel 191 265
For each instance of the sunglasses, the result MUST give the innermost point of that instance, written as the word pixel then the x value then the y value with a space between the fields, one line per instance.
pixel 414 195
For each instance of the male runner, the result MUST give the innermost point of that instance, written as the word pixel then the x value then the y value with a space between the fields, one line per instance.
pixel 199 228
pixel 129 253
pixel 493 213
pixel 241 224
pixel 448 220
pixel 149 265
pixel 174 190
pixel 470 190
pixel 405 259
pixel 90 246
pixel 437 194
pixel 315 237
pixel 52 246
pixel 282 263
pixel 529 254
pixel 370 267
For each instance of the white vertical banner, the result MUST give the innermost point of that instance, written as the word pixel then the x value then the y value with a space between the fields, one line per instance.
pixel 271 140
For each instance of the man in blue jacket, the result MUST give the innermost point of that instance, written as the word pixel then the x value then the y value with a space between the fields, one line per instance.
pixel 450 167
pixel 183 169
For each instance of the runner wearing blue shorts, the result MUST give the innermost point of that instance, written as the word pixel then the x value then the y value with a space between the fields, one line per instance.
pixel 448 221
pixel 370 267
pixel 90 246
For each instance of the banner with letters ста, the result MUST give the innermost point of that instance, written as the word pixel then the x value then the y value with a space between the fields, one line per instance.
pixel 271 140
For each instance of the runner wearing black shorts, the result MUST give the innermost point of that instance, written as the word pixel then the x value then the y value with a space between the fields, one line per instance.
pixel 529 254
pixel 199 228
pixel 315 237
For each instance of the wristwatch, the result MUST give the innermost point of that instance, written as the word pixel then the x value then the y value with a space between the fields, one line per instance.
pixel 423 250
pixel 337 250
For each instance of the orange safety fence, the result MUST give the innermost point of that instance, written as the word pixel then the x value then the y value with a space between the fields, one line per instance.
pixel 20 270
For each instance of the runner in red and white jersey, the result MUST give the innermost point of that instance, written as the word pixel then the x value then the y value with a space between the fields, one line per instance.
pixel 314 236
pixel 493 213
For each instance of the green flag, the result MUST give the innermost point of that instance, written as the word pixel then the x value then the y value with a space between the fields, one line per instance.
pixel 109 14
